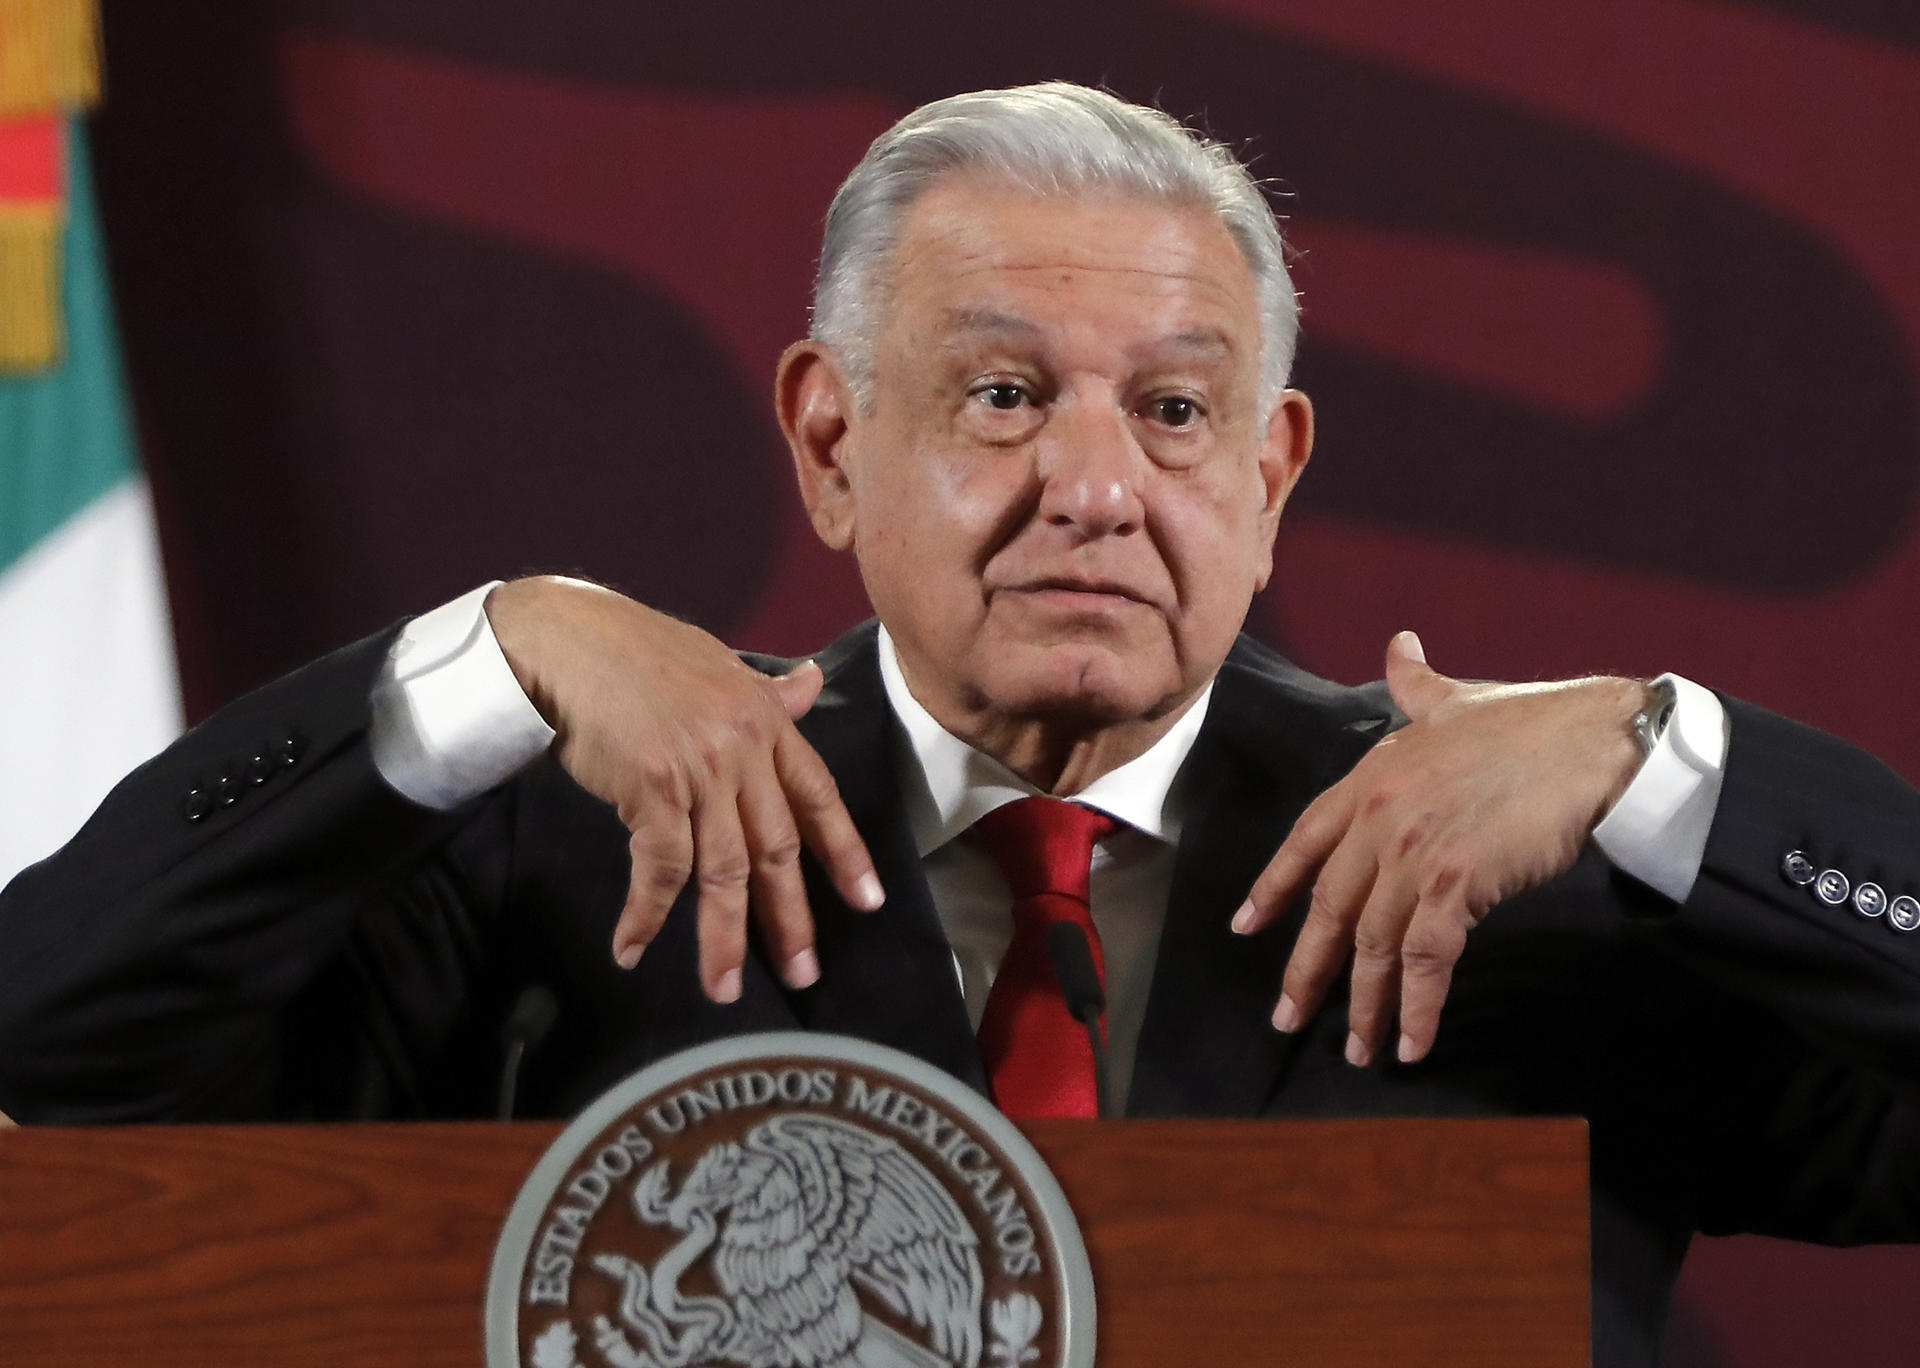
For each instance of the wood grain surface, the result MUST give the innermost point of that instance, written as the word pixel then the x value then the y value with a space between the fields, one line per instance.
pixel 1326 1242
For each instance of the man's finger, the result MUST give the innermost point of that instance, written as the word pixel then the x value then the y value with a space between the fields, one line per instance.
pixel 1325 942
pixel 1417 688
pixel 779 891
pixel 823 821
pixel 1313 838
pixel 1434 941
pixel 798 688
pixel 1375 993
pixel 660 853
pixel 722 867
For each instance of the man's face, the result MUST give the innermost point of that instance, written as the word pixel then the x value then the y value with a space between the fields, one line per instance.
pixel 1063 495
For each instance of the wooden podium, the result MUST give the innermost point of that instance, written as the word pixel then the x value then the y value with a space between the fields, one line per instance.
pixel 1376 1242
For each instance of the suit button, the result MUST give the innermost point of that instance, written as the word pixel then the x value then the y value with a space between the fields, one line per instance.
pixel 261 768
pixel 1797 869
pixel 1831 887
pixel 1869 900
pixel 1904 914
pixel 289 751
pixel 228 791
pixel 199 803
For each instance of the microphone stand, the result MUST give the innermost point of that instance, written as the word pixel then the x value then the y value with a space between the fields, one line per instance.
pixel 1072 960
pixel 533 1015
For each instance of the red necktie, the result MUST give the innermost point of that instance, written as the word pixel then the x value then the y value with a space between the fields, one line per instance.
pixel 1036 1053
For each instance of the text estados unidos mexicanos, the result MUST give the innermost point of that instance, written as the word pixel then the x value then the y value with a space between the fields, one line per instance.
pixel 550 1271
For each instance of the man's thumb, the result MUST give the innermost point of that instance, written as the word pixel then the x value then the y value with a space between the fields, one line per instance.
pixel 1416 688
pixel 798 688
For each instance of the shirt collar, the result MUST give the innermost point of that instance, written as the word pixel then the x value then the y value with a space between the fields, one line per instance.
pixel 949 785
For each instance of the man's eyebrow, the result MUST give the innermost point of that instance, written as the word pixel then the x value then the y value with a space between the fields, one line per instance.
pixel 1211 340
pixel 989 321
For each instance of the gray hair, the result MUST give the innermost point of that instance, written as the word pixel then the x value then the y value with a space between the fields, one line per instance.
pixel 1050 139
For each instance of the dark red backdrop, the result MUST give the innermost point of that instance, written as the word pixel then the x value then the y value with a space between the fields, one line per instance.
pixel 1611 319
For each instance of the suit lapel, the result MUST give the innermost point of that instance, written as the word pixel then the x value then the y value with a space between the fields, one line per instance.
pixel 886 976
pixel 1273 739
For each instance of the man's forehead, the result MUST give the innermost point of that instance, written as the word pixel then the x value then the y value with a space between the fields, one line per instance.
pixel 965 229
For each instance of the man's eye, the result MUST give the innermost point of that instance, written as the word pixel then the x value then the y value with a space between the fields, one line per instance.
pixel 1176 411
pixel 1005 396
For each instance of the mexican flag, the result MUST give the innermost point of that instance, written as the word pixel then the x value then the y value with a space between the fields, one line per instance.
pixel 88 687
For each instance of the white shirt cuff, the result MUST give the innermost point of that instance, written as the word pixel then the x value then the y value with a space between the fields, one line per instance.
pixel 1657 832
pixel 450 720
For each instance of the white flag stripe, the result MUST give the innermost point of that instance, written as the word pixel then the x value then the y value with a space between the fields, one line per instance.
pixel 88 685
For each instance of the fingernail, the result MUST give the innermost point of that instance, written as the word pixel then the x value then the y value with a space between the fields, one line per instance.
pixel 1407 1050
pixel 1286 1015
pixel 629 955
pixel 1357 1054
pixel 868 895
pixel 1243 919
pixel 1413 646
pixel 803 970
pixel 727 988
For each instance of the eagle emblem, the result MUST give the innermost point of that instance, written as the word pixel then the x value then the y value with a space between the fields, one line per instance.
pixel 790 1200
pixel 807 1223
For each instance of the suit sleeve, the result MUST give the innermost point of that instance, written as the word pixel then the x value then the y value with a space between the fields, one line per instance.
pixel 1831 1151
pixel 252 924
pixel 1847 980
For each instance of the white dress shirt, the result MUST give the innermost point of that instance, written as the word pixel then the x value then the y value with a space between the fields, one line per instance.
pixel 450 721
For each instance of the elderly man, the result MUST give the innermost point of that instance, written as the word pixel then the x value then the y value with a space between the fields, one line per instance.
pixel 1044 405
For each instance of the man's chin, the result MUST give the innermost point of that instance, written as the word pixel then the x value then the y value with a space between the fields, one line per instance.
pixel 1082 686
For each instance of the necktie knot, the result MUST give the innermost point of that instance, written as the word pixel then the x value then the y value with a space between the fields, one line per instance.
pixel 1043 845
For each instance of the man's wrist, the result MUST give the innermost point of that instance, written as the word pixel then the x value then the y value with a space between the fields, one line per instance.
pixel 1656 713
pixel 513 611
pixel 450 717
pixel 537 621
pixel 1656 830
pixel 1622 703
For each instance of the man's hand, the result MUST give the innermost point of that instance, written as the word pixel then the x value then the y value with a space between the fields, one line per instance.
pixel 698 753
pixel 1490 790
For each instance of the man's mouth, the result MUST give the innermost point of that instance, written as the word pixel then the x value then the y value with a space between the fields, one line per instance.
pixel 1069 590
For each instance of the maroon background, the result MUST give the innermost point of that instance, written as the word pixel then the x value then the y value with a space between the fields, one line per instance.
pixel 1611 318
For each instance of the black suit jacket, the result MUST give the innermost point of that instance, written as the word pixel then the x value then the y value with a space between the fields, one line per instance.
pixel 253 925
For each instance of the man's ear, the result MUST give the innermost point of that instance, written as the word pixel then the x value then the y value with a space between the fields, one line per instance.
pixel 1283 456
pixel 814 403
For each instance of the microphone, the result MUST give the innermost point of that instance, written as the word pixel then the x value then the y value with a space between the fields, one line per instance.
pixel 533 1015
pixel 1080 985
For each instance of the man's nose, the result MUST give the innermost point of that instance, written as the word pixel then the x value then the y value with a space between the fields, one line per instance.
pixel 1090 464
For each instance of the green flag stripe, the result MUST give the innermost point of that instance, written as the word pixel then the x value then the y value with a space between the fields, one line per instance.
pixel 65 435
